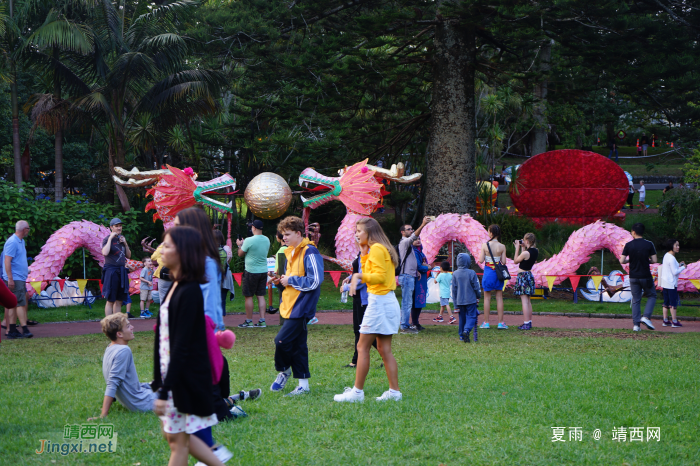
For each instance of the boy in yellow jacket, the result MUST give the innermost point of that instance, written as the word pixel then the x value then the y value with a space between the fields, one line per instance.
pixel 301 284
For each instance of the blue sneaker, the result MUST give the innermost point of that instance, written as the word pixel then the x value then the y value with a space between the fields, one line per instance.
pixel 502 325
pixel 280 382
pixel 313 321
pixel 527 326
pixel 298 391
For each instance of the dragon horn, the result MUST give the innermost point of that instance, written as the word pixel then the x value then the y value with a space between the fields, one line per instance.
pixel 395 174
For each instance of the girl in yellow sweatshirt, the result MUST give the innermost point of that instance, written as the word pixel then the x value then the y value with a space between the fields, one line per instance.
pixel 383 314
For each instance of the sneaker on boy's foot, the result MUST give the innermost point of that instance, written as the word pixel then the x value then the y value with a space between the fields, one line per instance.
pixel 298 391
pixel 246 324
pixel 636 328
pixel 128 314
pixel 280 382
pixel 313 321
pixel 253 394
pixel 387 395
pixel 438 319
pixel 666 323
pixel 502 326
pixel 144 315
pixel 676 324
pixel 350 396
pixel 237 412
pixel 419 327
pixel 485 325
pixel 261 324
pixel 453 320
pixel 527 326
pixel 465 337
pixel 648 323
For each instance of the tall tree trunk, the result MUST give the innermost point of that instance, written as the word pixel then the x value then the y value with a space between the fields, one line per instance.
pixel 58 143
pixel 15 128
pixel 539 139
pixel 452 133
pixel 15 116
pixel 120 160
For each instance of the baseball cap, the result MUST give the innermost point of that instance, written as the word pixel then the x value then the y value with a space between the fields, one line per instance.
pixel 114 221
pixel 258 224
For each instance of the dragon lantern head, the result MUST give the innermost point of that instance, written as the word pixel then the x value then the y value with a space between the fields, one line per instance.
pixel 174 190
pixel 356 187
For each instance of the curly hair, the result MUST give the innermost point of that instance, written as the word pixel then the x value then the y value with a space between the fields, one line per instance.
pixel 291 224
pixel 112 324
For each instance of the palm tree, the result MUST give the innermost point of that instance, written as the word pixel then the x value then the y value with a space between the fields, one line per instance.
pixel 49 50
pixel 139 65
pixel 11 34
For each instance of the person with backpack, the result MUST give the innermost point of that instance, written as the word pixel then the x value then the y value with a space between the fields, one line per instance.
pixel 407 271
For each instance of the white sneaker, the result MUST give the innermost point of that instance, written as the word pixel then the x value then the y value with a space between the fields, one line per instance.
pixel 648 323
pixel 387 395
pixel 636 328
pixel 222 453
pixel 350 396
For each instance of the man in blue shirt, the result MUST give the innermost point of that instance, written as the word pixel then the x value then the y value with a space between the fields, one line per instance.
pixel 14 272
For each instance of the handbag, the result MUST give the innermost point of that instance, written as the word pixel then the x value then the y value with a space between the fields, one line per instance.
pixel 501 270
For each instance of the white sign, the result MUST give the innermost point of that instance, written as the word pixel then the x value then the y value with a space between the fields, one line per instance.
pixel 271 264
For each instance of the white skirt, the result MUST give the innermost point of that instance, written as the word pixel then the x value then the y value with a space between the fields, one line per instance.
pixel 382 316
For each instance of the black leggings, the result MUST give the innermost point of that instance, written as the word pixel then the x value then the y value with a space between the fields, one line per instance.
pixel 358 312
pixel 415 315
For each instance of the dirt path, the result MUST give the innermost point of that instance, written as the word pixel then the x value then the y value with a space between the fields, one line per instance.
pixel 345 318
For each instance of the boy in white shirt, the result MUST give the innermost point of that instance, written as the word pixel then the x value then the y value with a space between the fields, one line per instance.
pixel 642 195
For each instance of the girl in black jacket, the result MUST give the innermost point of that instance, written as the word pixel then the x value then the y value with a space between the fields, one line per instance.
pixel 181 370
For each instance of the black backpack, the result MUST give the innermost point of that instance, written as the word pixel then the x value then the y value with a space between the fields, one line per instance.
pixel 399 270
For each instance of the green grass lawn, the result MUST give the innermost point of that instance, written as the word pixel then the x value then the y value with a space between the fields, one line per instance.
pixel 494 402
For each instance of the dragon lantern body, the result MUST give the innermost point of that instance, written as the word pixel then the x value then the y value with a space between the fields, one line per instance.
pixel 357 187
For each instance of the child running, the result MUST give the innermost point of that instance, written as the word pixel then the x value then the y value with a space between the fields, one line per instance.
pixel 444 279
pixel 146 288
pixel 383 314
pixel 465 294
pixel 181 369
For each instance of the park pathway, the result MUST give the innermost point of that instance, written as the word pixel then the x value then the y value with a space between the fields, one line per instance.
pixel 345 318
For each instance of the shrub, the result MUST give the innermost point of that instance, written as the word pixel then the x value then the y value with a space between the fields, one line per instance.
pixel 46 216
pixel 680 210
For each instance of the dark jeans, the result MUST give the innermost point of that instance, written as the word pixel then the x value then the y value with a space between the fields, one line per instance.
pixel 415 315
pixel 358 313
pixel 224 292
pixel 291 349
pixel 639 287
pixel 611 153
pixel 468 319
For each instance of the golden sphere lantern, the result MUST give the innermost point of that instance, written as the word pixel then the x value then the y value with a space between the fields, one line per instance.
pixel 268 196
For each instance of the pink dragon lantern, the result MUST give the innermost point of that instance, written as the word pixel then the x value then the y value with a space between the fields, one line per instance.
pixel 172 190
pixel 358 189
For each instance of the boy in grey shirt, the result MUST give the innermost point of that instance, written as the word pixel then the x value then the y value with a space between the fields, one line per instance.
pixel 119 370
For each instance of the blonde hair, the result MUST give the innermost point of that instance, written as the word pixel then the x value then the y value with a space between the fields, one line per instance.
pixel 112 324
pixel 530 238
pixel 375 235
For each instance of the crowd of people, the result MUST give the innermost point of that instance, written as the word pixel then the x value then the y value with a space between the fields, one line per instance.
pixel 190 391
